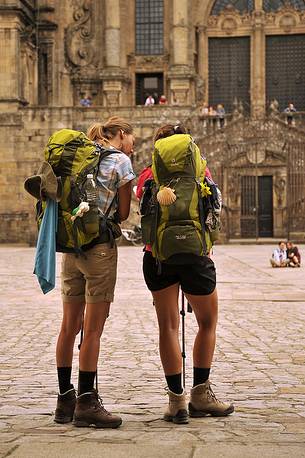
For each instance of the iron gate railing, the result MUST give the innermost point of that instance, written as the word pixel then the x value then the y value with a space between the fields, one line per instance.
pixel 295 187
pixel 254 189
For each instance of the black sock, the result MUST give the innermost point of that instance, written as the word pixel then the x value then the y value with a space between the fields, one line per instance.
pixel 201 374
pixel 174 383
pixel 64 379
pixel 86 381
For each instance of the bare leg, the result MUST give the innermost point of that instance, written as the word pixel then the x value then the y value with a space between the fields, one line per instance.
pixel 166 304
pixel 70 327
pixel 295 260
pixel 206 312
pixel 95 317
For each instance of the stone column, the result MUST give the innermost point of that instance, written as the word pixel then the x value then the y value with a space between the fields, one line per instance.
pixel 10 59
pixel 180 32
pixel 203 66
pixel 112 75
pixel 113 50
pixel 180 73
pixel 258 69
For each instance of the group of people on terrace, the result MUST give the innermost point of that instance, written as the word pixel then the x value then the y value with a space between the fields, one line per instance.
pixel 154 99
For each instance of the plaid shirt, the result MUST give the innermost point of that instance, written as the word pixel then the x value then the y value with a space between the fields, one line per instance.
pixel 115 171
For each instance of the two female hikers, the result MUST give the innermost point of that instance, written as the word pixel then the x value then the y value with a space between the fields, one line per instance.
pixel 88 285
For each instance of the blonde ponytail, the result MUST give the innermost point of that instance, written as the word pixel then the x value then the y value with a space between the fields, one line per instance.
pixel 102 133
pixel 96 133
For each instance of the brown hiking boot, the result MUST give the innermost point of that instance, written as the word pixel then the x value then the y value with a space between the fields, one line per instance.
pixel 177 408
pixel 65 406
pixel 204 402
pixel 89 411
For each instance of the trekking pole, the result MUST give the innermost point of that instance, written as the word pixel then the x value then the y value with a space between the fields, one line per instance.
pixel 182 313
pixel 81 334
pixel 79 345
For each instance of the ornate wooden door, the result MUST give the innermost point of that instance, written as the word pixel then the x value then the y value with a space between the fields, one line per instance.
pixel 285 70
pixel 229 71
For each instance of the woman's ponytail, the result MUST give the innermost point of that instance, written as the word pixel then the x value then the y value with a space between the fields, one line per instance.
pixel 102 133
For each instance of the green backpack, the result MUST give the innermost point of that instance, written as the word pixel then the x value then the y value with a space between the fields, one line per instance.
pixel 72 156
pixel 177 227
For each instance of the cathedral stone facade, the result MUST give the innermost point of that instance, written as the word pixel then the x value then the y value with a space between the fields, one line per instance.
pixel 248 55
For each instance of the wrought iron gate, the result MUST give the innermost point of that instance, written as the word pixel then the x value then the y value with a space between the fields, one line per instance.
pixel 285 70
pixel 229 71
pixel 249 190
pixel 256 213
pixel 295 188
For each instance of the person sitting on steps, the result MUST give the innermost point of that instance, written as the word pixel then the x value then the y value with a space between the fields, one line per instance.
pixel 293 255
pixel 279 256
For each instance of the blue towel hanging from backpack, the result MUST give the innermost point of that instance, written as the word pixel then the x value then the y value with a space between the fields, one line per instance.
pixel 45 259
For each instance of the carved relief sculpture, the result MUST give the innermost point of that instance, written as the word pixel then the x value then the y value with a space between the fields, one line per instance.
pixel 80 51
pixel 79 35
pixel 279 187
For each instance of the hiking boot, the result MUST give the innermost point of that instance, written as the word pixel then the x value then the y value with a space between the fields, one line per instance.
pixel 89 411
pixel 177 408
pixel 65 406
pixel 204 402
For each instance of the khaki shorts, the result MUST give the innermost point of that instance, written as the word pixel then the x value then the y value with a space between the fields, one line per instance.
pixel 89 279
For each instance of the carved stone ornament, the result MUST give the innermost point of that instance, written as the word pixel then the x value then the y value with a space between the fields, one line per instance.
pixel 200 90
pixel 79 35
pixel 229 25
pixel 286 17
pixel 28 34
pixel 256 154
pixel 279 188
pixel 213 21
pixel 287 22
pixel 229 19
pixel 234 188
pixel 274 108
pixel 112 98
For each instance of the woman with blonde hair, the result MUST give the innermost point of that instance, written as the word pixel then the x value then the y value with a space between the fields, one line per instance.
pixel 88 282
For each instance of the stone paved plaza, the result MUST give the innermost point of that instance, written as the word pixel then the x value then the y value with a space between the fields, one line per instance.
pixel 259 365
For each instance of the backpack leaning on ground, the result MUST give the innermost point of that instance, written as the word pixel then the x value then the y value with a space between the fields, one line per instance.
pixel 72 156
pixel 177 206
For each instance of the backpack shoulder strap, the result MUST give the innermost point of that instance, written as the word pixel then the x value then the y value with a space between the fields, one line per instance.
pixel 104 152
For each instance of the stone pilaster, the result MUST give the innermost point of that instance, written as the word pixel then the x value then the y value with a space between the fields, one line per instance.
pixel 112 12
pixel 258 5
pixel 112 74
pixel 180 32
pixel 17 54
pixel 10 96
pixel 258 88
pixel 180 74
pixel 202 79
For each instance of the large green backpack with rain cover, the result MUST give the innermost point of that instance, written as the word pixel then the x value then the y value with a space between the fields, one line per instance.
pixel 177 228
pixel 72 156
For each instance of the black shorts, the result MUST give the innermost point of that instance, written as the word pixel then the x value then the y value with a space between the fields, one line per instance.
pixel 198 278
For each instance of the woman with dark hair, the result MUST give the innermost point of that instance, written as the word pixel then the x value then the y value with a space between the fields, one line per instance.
pixel 196 276
pixel 88 282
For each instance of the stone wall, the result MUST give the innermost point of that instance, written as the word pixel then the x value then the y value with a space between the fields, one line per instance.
pixel 244 147
pixel 23 137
